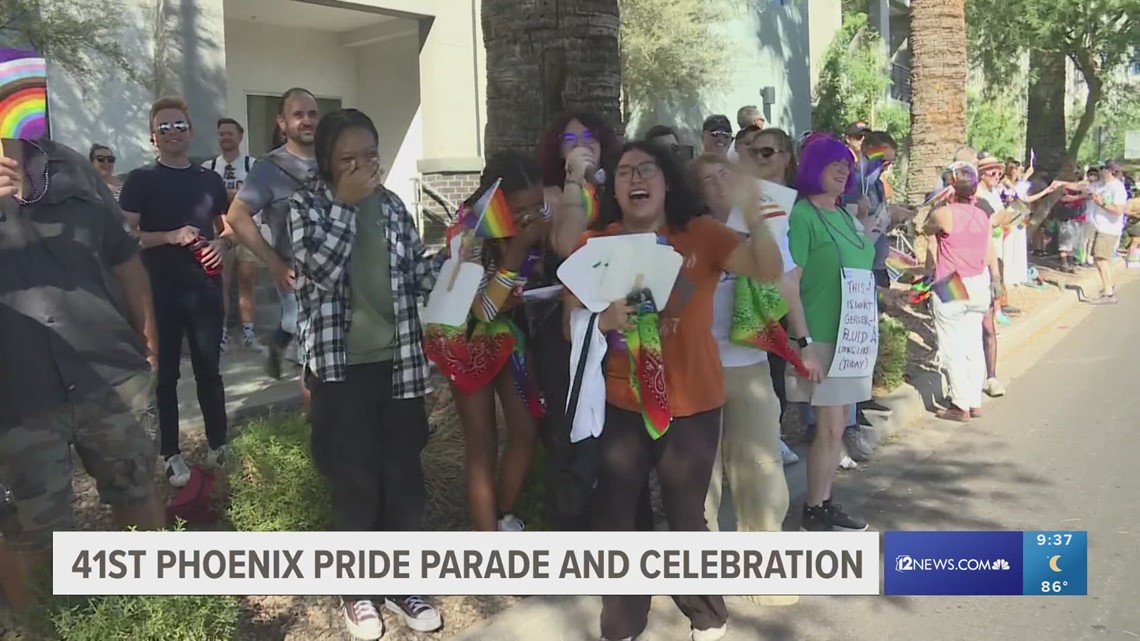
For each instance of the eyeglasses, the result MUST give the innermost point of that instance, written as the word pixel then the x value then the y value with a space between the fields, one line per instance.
pixel 571 139
pixel 762 152
pixel 107 159
pixel 720 135
pixel 645 171
pixel 992 173
pixel 178 125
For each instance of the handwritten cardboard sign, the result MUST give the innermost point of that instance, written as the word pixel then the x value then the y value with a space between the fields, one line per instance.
pixel 857 346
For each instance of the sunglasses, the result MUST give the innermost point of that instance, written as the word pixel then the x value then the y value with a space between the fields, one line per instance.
pixel 178 125
pixel 762 152
pixel 720 135
pixel 108 159
pixel 571 139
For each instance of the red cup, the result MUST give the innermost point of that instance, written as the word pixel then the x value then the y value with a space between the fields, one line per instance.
pixel 200 253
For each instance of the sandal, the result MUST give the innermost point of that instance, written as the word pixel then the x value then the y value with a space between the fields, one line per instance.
pixel 953 414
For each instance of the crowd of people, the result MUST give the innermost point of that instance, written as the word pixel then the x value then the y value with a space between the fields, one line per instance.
pixel 102 283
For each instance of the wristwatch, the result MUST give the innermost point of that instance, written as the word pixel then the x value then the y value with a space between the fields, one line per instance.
pixel 804 342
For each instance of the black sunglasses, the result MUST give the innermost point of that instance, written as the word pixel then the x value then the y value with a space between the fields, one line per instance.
pixel 109 159
pixel 178 125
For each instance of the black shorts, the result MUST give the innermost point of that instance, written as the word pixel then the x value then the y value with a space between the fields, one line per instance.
pixel 882 278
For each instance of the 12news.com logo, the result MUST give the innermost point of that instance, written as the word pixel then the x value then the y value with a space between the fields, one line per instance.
pixel 907 563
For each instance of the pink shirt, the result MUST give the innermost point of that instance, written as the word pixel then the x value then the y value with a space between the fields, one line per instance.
pixel 966 248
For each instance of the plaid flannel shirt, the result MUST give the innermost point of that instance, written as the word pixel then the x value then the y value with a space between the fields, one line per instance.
pixel 323 230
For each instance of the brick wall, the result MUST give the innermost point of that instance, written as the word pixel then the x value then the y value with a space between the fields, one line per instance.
pixel 455 187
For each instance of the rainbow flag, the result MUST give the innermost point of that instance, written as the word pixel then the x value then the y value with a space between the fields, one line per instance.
pixel 950 289
pixel 590 202
pixel 494 218
pixel 877 153
pixel 23 95
pixel 898 263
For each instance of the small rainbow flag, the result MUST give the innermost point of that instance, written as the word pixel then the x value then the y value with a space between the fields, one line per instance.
pixel 898 263
pixel 878 152
pixel 950 289
pixel 590 202
pixel 23 95
pixel 494 219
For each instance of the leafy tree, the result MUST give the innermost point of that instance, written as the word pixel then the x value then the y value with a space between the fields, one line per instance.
pixel 995 123
pixel 1119 115
pixel 69 34
pixel 1098 36
pixel 670 51
pixel 853 79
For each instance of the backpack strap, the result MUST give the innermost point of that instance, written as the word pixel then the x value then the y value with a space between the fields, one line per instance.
pixel 247 161
pixel 214 163
pixel 300 181
pixel 580 370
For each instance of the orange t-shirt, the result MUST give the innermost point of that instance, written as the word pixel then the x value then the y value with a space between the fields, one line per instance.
pixel 694 380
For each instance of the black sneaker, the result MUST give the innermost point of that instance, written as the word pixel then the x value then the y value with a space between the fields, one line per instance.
pixel 418 615
pixel 873 406
pixel 815 519
pixel 840 520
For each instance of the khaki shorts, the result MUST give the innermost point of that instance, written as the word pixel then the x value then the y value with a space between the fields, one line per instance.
pixel 1104 245
pixel 831 392
pixel 115 434
pixel 244 255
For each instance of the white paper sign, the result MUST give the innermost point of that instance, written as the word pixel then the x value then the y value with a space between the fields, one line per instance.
pixel 783 196
pixel 655 266
pixel 582 273
pixel 857 345
pixel 879 222
pixel 451 298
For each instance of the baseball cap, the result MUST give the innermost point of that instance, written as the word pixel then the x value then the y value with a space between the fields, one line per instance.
pixel 718 122
pixel 857 128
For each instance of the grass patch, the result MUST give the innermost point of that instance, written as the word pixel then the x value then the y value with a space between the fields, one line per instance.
pixel 532 505
pixel 275 487
pixel 890 366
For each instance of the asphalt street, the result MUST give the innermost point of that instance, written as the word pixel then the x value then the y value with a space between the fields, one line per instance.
pixel 1058 452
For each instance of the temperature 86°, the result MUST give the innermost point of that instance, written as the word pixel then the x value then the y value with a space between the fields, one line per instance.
pixel 109 564
pixel 1053 586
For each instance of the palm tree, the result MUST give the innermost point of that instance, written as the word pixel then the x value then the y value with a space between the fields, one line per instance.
pixel 544 58
pixel 938 86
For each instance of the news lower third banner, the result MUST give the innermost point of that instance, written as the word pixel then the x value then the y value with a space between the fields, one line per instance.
pixel 465 563
pixel 986 563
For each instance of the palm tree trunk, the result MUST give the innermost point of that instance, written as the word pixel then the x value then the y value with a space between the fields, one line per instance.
pixel 545 57
pixel 1045 113
pixel 938 94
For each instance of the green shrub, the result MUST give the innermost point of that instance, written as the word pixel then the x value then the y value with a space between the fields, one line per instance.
pixel 275 487
pixel 890 368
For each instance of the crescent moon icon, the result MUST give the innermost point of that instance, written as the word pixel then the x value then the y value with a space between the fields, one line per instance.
pixel 1053 563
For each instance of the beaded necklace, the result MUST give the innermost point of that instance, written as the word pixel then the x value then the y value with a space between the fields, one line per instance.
pixel 31 179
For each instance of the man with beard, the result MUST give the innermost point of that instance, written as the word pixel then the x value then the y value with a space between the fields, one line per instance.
pixel 266 191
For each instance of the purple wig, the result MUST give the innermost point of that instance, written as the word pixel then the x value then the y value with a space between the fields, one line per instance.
pixel 820 151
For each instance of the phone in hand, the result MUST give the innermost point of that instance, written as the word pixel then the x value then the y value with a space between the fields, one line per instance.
pixel 642 300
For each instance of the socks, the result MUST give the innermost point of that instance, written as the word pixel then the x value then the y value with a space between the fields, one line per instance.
pixel 247 329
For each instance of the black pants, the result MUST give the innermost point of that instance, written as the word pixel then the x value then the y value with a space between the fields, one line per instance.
pixel 193 312
pixel 367 445
pixel 573 468
pixel 776 367
pixel 684 460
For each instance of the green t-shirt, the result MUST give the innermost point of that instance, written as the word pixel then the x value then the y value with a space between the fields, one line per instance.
pixel 812 238
pixel 372 333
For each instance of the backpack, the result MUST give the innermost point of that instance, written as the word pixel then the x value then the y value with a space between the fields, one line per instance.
pixel 214 164
pixel 194 502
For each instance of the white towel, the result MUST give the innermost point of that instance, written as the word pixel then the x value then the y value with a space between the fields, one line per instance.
pixel 590 414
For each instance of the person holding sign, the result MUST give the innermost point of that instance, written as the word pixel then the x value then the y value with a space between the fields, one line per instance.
pixel 966 279
pixel 506 222
pixel 838 332
pixel 664 394
pixel 360 268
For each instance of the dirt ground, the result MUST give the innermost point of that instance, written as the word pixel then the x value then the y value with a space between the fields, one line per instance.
pixel 275 618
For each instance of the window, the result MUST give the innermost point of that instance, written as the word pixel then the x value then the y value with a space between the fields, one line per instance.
pixel 261 118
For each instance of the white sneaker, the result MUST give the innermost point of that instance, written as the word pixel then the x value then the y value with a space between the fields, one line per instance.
pixel 219 458
pixel 177 471
pixel 362 620
pixel 711 634
pixel 994 388
pixel 511 523
pixel 250 342
pixel 787 454
pixel 847 463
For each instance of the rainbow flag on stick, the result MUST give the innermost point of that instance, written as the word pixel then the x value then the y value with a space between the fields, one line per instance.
pixel 491 216
pixel 23 95
pixel 899 263
pixel 950 289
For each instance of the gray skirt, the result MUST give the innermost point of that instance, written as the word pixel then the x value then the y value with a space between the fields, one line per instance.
pixel 831 392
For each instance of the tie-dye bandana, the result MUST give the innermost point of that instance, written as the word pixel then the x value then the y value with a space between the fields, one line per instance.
pixel 647 369
pixel 756 313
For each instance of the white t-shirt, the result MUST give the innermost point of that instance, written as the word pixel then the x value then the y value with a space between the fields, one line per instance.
pixel 1103 220
pixel 232 174
pixel 731 354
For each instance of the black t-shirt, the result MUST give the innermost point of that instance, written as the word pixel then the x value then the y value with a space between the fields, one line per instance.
pixel 166 199
pixel 985 206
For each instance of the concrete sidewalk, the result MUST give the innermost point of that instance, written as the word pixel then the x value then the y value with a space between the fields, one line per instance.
pixel 249 391
pixel 577 618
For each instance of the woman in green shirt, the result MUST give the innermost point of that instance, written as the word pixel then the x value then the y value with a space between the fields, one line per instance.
pixel 828 246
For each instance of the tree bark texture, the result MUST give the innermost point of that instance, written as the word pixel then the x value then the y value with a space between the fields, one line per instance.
pixel 1045 113
pixel 938 85
pixel 546 57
